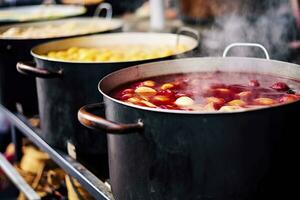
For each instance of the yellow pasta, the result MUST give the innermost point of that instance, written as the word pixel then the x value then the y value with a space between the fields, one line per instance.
pixel 115 54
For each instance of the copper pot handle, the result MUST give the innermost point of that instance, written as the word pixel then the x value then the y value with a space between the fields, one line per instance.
pixel 28 69
pixel 104 6
pixel 93 121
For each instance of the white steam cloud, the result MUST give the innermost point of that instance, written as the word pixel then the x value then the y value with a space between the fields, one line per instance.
pixel 273 28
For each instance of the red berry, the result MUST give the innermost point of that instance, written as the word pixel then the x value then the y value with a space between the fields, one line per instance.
pixel 280 86
pixel 167 93
pixel 126 96
pixel 138 84
pixel 128 91
pixel 254 83
pixel 163 107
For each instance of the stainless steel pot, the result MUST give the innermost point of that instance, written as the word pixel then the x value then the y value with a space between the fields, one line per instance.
pixel 166 154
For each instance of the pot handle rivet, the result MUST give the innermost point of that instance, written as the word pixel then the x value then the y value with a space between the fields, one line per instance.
pixel 228 48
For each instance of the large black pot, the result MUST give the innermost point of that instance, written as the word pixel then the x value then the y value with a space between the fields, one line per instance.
pixel 63 87
pixel 15 88
pixel 160 155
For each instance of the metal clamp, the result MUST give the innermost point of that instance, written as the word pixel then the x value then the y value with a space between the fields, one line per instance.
pixel 182 30
pixel 104 6
pixel 97 188
pixel 227 49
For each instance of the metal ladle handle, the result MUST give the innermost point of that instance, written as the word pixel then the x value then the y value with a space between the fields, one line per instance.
pixel 104 6
pixel 228 48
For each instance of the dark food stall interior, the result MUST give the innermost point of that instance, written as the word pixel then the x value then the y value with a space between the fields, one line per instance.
pixel 149 100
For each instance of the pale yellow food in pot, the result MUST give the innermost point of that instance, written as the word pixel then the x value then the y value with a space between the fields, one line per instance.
pixel 54 30
pixel 38 12
pixel 116 53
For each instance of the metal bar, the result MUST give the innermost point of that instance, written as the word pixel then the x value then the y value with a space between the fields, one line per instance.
pixel 17 179
pixel 17 140
pixel 89 181
pixel 229 47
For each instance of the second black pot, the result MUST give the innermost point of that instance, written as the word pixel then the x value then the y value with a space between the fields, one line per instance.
pixel 63 87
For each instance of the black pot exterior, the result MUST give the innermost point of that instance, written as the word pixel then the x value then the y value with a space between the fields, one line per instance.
pixel 59 100
pixel 239 156
pixel 17 88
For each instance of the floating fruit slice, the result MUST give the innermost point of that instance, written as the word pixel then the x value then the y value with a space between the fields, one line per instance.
pixel 289 98
pixel 237 102
pixel 230 108
pixel 167 86
pixel 184 101
pixel 134 100
pixel 210 107
pixel 145 91
pixel 161 100
pixel 217 102
pixel 148 104
pixel 149 83
pixel 264 101
pixel 245 94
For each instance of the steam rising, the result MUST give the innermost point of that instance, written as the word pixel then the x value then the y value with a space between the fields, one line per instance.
pixel 272 27
pixel 267 22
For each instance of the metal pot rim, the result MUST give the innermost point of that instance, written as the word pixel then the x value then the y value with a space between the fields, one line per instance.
pixel 77 10
pixel 130 34
pixel 116 24
pixel 107 96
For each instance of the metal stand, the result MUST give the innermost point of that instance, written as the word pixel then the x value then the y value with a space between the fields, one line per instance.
pixel 17 179
pixel 16 137
pixel 20 127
